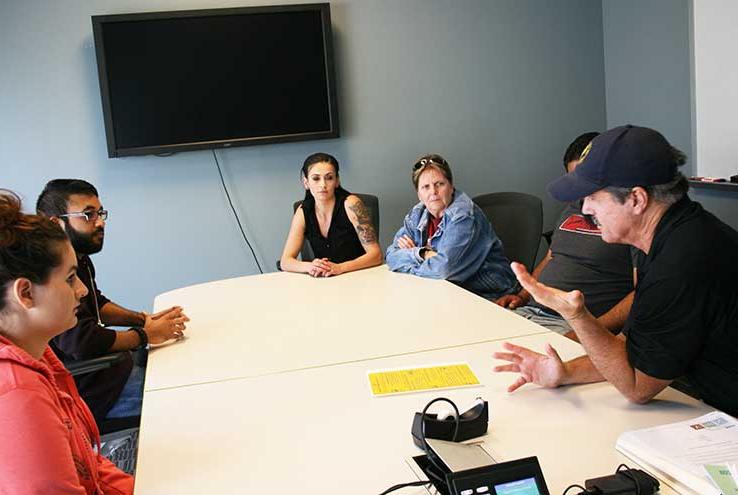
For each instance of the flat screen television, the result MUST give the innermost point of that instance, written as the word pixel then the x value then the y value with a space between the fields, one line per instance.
pixel 187 80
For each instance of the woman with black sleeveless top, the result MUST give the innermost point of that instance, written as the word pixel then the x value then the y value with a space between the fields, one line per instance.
pixel 335 223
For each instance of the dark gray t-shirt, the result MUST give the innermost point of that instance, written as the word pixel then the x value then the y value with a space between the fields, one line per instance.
pixel 582 260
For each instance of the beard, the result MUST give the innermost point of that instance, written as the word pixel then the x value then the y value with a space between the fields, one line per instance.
pixel 85 243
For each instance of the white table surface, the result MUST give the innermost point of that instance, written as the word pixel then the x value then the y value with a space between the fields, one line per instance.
pixel 319 431
pixel 257 325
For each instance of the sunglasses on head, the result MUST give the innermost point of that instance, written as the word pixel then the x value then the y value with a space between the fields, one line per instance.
pixel 426 160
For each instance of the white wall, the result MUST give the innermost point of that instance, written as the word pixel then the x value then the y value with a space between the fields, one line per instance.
pixel 715 25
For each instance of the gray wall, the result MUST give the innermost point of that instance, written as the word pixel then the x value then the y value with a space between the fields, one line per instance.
pixel 648 79
pixel 498 87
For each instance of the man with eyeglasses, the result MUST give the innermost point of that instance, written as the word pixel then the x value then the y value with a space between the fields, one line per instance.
pixel 115 392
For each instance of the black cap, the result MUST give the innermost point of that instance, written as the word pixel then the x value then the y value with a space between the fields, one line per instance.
pixel 625 156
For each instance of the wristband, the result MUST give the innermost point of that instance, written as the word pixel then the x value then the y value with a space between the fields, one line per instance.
pixel 142 337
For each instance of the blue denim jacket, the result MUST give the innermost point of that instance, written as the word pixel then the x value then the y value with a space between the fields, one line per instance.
pixel 469 252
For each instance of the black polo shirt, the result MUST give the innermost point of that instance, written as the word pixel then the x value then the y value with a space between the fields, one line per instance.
pixel 99 389
pixel 684 318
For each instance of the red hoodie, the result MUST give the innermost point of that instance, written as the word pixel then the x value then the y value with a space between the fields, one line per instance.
pixel 48 437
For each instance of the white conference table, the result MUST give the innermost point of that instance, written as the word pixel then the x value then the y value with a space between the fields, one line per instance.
pixel 257 325
pixel 319 431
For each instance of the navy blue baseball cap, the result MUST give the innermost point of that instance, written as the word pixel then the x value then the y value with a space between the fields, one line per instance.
pixel 625 156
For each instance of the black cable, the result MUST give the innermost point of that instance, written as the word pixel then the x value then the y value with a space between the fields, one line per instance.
pixel 426 447
pixel 623 469
pixel 405 485
pixel 222 181
pixel 584 490
pixel 630 475
pixel 429 469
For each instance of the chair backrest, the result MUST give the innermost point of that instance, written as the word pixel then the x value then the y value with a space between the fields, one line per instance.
pixel 518 221
pixel 121 448
pixel 118 436
pixel 372 204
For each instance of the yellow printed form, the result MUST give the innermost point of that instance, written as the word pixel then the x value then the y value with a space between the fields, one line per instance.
pixel 418 379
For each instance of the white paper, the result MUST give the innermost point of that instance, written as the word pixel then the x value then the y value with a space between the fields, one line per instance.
pixel 680 450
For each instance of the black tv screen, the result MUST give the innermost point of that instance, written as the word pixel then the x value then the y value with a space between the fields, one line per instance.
pixel 184 80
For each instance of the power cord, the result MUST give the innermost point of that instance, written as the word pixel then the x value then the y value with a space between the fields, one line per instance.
pixel 238 220
pixel 426 447
pixel 405 485
pixel 583 490
pixel 637 481
pixel 626 472
pixel 429 454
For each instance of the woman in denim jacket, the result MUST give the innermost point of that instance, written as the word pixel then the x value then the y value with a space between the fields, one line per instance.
pixel 446 236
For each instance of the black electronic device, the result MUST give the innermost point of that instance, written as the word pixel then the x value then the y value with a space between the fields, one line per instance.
pixel 216 78
pixel 519 477
pixel 623 482
pixel 472 423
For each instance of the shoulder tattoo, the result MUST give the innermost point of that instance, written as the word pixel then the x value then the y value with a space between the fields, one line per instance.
pixel 364 229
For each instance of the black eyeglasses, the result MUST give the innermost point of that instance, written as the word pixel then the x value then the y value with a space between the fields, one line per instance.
pixel 427 160
pixel 89 216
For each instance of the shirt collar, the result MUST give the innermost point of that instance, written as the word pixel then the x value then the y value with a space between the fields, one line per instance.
pixel 669 220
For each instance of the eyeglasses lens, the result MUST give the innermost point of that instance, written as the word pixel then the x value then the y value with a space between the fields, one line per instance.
pixel 91 216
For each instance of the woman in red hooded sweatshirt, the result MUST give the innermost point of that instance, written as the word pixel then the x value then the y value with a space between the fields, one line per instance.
pixel 49 442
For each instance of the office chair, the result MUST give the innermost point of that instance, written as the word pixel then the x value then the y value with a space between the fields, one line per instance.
pixel 372 204
pixel 118 436
pixel 518 221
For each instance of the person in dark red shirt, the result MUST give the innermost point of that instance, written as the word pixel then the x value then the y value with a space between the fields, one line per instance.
pixel 579 259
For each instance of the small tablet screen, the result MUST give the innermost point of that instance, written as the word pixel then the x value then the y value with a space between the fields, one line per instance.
pixel 527 486
pixel 518 477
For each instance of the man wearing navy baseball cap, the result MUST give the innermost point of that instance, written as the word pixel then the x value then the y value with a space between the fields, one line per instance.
pixel 683 323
